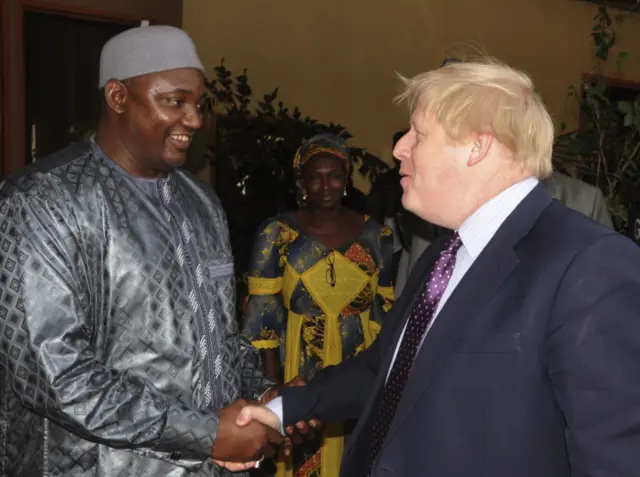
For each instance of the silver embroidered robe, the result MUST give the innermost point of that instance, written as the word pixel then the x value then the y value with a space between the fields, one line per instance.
pixel 118 340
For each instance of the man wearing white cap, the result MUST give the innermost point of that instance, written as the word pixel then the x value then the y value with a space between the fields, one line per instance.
pixel 119 350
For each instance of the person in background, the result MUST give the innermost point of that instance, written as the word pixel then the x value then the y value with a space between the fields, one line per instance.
pixel 383 205
pixel 119 349
pixel 578 195
pixel 319 287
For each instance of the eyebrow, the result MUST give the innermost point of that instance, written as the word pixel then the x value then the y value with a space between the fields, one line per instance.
pixel 181 90
pixel 189 92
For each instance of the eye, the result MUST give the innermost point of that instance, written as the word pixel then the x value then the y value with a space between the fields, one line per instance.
pixel 175 102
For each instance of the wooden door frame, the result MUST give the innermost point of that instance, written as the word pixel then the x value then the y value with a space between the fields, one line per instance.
pixel 14 132
pixel 612 82
pixel 5 20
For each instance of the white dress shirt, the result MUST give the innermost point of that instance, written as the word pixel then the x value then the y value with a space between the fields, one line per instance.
pixel 475 233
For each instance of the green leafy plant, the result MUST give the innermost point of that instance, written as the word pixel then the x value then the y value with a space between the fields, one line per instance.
pixel 605 149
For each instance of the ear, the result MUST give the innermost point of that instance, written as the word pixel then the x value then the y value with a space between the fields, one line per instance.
pixel 480 147
pixel 116 95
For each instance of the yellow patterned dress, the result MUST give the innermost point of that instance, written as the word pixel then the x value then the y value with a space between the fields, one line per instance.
pixel 318 306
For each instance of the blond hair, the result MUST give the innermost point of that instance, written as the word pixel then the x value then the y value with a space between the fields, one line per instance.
pixel 486 96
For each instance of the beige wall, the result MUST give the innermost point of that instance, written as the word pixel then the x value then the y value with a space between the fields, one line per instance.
pixel 336 59
pixel 161 11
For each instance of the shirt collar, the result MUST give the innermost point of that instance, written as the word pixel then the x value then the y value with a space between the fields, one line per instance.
pixel 149 186
pixel 483 224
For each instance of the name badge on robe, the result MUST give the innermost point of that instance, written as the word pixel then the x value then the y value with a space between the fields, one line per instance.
pixel 219 270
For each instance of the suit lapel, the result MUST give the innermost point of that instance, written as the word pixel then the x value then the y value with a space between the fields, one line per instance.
pixel 418 246
pixel 481 282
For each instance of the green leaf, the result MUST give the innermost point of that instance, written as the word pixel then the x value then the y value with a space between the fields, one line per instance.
pixel 563 126
pixel 623 56
pixel 628 120
pixel 624 107
pixel 620 18
pixel 599 88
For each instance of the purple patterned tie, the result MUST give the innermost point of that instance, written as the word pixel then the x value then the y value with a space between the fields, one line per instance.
pixel 425 307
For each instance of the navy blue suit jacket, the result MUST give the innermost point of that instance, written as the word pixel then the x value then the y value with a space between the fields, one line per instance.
pixel 532 368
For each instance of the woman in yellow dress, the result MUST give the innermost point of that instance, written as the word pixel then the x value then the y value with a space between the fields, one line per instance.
pixel 318 288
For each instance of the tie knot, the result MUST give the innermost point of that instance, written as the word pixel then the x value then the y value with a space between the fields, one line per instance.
pixel 454 243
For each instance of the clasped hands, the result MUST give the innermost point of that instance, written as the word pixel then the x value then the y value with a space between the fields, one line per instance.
pixel 248 432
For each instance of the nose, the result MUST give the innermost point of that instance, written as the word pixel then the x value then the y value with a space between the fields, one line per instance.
pixel 193 119
pixel 324 182
pixel 402 148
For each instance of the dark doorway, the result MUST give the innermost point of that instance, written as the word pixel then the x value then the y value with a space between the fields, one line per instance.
pixel 62 57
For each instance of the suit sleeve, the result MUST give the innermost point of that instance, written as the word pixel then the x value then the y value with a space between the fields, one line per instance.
pixel 594 357
pixel 49 325
pixel 324 397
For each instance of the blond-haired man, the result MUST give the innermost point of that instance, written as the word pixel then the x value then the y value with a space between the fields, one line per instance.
pixel 513 350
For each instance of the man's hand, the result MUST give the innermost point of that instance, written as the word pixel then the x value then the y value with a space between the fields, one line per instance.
pixel 238 448
pixel 252 413
pixel 296 434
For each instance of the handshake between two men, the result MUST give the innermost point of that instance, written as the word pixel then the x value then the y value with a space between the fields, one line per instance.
pixel 249 431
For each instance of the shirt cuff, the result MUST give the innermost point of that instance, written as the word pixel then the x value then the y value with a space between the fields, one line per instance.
pixel 275 405
pixel 188 436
